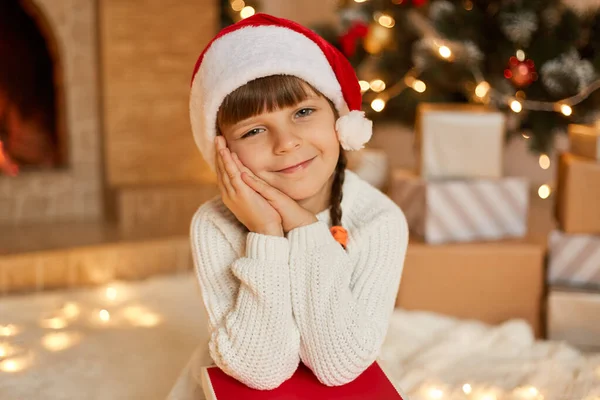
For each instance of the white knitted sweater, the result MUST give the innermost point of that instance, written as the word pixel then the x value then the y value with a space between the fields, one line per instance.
pixel 273 302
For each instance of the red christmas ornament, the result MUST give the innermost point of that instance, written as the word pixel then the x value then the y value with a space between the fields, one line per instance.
pixel 416 3
pixel 521 73
pixel 357 31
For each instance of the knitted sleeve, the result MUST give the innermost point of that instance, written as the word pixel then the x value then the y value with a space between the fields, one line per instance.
pixel 253 336
pixel 343 302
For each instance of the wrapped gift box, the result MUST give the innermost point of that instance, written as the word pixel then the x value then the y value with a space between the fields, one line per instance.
pixel 574 316
pixel 459 141
pixel 372 165
pixel 584 141
pixel 462 210
pixel 491 282
pixel 578 189
pixel 574 259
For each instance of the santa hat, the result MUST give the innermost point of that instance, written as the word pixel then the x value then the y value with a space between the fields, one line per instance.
pixel 263 45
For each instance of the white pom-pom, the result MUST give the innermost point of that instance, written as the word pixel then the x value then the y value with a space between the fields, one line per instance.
pixel 354 130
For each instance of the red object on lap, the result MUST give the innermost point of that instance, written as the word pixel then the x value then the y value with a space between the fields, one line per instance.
pixel 372 384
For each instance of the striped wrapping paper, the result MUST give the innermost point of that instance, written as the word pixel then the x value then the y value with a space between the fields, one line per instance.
pixel 574 259
pixel 462 210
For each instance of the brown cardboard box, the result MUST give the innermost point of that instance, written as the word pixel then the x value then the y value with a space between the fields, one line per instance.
pixel 574 316
pixel 459 141
pixel 578 189
pixel 584 141
pixel 491 282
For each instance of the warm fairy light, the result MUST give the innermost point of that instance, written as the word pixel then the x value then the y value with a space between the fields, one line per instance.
pixel 364 86
pixel 57 341
pixel 435 393
pixel 445 51
pixel 53 323
pixel 377 85
pixel 520 55
pixel 70 310
pixel 6 350
pixel 386 21
pixel 525 136
pixel 488 397
pixel 238 5
pixel 544 161
pixel 140 316
pixel 482 89
pixel 247 12
pixel 516 106
pixel 8 330
pixel 378 105
pixel 544 191
pixel 15 364
pixel 104 315
pixel 467 388
pixel 111 293
pixel 359 1
pixel 419 86
pixel 566 110
pixel 527 393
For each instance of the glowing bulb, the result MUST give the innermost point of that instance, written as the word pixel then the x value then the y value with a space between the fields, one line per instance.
pixel 70 310
pixel 516 106
pixel 57 341
pixel 238 5
pixel 520 55
pixel 482 89
pixel 8 330
pixel 104 315
pixel 386 21
pixel 533 391
pixel 14 364
pixel 467 388
pixel 359 1
pixel 111 293
pixel 378 105
pixel 247 12
pixel 419 86
pixel 377 85
pixel 364 86
pixel 566 110
pixel 445 51
pixel 544 191
pixel 525 136
pixel 544 161
pixel 488 397
pixel 436 393
pixel 53 323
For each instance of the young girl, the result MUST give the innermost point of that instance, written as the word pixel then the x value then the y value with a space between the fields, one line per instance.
pixel 298 260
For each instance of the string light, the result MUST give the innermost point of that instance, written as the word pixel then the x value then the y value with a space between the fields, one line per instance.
pixel 377 85
pixel 364 86
pixel 516 106
pixel 378 104
pixel 566 110
pixel 386 21
pixel 419 86
pixel 247 12
pixel 104 315
pixel 58 341
pixel 8 330
pixel 520 55
pixel 445 52
pixel 53 323
pixel 525 136
pixel 544 191
pixel 70 310
pixel 544 161
pixel 436 393
pixel 482 89
pixel 359 1
pixel 467 388
pixel 111 293
pixel 238 5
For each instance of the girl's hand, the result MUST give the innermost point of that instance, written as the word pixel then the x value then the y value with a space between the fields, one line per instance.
pixel 249 207
pixel 292 214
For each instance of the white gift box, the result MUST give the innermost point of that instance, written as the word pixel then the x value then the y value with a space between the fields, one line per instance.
pixel 459 141
pixel 462 210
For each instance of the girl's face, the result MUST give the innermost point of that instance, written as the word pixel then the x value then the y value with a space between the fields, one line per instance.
pixel 294 149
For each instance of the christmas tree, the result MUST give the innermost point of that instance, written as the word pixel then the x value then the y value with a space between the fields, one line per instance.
pixel 536 59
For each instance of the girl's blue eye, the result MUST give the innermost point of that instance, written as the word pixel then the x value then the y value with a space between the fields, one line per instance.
pixel 305 112
pixel 253 132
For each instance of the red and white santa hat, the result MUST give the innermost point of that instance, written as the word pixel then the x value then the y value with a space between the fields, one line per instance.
pixel 263 45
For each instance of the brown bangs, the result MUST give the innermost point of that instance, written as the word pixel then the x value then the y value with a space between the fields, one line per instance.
pixel 263 95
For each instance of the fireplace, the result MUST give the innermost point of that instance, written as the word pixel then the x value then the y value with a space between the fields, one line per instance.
pixel 49 122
